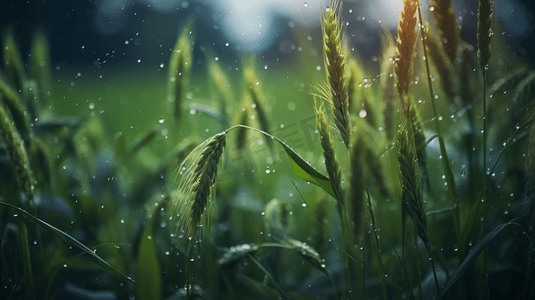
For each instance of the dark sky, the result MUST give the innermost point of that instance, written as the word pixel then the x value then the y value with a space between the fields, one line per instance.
pixel 76 38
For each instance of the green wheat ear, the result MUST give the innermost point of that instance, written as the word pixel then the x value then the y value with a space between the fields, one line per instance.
pixel 179 67
pixel 335 66
pixel 410 179
pixel 327 144
pixel 16 152
pixel 15 106
pixel 190 204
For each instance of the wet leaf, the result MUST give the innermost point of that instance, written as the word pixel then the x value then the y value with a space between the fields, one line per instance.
pixel 299 166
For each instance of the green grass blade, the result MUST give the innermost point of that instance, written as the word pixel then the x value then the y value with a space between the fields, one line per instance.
pixel 148 267
pixel 470 225
pixel 281 292
pixel 474 254
pixel 70 240
pixel 27 262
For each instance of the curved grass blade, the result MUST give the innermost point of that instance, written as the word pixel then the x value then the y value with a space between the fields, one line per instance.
pixel 27 262
pixel 70 240
pixel 299 166
pixel 281 292
pixel 61 267
pixel 474 254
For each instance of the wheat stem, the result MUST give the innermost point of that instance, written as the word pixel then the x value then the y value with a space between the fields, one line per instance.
pixel 445 160
pixel 356 191
pixel 484 34
pixel 382 276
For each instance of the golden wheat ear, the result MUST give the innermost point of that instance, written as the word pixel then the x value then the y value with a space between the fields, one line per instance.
pixel 405 44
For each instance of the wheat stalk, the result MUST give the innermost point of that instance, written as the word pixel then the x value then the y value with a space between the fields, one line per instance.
pixel 357 188
pixel 252 86
pixel 419 140
pixel 410 179
pixel 180 63
pixel 443 64
pixel 335 65
pixel 196 179
pixel 444 15
pixel 241 135
pixel 405 44
pixel 411 186
pixel 484 33
pixel 219 77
